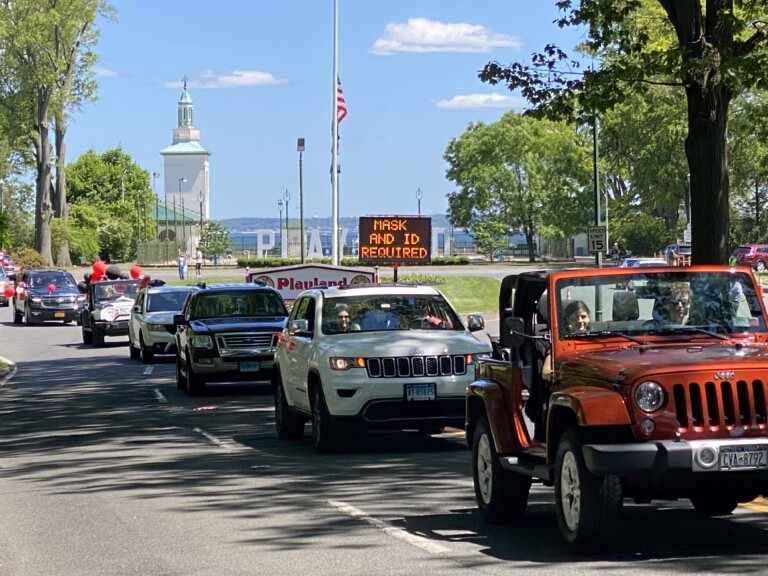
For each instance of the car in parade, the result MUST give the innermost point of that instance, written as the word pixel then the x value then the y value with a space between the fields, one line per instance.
pixel 107 309
pixel 46 294
pixel 641 262
pixel 151 329
pixel 622 384
pixel 752 255
pixel 5 282
pixel 9 265
pixel 373 356
pixel 227 333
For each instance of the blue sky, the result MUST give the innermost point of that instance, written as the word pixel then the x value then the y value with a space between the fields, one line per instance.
pixel 260 75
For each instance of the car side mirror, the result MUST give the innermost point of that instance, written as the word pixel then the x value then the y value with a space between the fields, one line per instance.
pixel 179 320
pixel 300 326
pixel 475 322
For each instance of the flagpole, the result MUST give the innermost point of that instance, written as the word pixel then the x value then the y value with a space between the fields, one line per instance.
pixel 334 146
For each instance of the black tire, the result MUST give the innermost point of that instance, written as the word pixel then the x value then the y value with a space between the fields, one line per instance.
pixel 195 384
pixel 714 504
pixel 16 315
pixel 289 426
pixel 28 317
pixel 98 336
pixel 87 335
pixel 325 432
pixel 134 352
pixel 588 506
pixel 181 381
pixel 501 495
pixel 760 266
pixel 147 354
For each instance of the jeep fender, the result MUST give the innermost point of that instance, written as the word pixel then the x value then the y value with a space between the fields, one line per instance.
pixel 591 406
pixel 485 397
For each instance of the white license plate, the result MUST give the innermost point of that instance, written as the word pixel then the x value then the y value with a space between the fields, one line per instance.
pixel 420 392
pixel 250 366
pixel 753 457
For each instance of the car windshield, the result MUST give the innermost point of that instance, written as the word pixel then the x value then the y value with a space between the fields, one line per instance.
pixel 165 301
pixel 238 303
pixel 661 303
pixel 107 292
pixel 59 281
pixel 388 312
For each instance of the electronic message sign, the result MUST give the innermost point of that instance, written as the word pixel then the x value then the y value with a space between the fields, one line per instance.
pixel 395 239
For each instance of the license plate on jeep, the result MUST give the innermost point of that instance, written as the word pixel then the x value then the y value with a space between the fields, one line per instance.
pixel 753 457
pixel 426 391
pixel 250 366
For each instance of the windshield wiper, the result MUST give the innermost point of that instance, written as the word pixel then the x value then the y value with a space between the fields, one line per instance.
pixel 683 330
pixel 604 334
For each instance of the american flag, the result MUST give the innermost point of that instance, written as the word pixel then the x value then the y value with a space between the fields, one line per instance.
pixel 341 104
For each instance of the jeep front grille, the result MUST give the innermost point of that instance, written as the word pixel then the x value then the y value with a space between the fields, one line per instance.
pixel 720 403
pixel 246 340
pixel 416 366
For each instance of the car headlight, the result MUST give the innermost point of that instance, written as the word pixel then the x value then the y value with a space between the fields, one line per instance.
pixel 35 299
pixel 201 341
pixel 80 299
pixel 649 396
pixel 156 327
pixel 108 314
pixel 338 363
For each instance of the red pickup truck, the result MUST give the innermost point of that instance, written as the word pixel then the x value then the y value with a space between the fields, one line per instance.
pixel 612 383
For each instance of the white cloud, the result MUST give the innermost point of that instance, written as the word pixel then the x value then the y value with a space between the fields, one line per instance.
pixel 422 35
pixel 482 101
pixel 104 73
pixel 209 79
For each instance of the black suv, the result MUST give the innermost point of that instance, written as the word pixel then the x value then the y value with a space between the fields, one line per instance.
pixel 226 333
pixel 46 294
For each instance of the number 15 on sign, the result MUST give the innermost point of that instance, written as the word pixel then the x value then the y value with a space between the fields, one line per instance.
pixel 596 239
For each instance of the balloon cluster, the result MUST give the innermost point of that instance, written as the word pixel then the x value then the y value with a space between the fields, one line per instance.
pixel 100 271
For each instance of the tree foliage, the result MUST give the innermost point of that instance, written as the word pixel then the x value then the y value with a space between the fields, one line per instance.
pixel 512 174
pixel 717 50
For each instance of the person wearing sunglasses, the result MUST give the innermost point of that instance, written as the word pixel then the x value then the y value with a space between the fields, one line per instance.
pixel 673 307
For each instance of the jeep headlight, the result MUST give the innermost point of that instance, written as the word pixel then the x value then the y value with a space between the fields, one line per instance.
pixel 649 396
pixel 201 341
pixel 339 363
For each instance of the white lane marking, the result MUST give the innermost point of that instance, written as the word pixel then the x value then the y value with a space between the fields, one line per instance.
pixel 412 539
pixel 159 396
pixel 212 438
pixel 149 370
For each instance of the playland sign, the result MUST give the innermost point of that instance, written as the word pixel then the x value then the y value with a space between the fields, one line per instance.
pixel 292 280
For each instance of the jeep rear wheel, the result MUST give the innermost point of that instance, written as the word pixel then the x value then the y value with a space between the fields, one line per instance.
pixel 501 495
pixel 588 506
pixel 325 433
pixel 714 504
pixel 289 426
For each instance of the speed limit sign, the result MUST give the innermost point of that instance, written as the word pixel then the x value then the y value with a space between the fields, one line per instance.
pixel 596 240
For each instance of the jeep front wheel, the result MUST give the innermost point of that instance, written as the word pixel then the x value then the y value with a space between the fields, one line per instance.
pixel 588 506
pixel 501 495
pixel 325 433
pixel 289 426
pixel 98 336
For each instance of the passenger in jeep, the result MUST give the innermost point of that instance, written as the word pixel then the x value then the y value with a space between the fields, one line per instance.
pixel 676 305
pixel 577 316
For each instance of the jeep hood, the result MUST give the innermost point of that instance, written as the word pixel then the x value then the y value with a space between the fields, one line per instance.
pixel 628 364
pixel 239 324
pixel 407 343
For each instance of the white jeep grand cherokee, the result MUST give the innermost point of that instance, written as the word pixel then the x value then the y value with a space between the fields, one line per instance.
pixel 370 356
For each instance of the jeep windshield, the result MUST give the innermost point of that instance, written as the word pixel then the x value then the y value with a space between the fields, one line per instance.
pixel 388 312
pixel 678 302
pixel 106 292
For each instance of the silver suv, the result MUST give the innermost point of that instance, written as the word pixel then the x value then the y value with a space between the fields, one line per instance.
pixel 368 356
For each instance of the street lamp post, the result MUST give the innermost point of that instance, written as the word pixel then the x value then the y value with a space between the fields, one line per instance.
pixel 300 149
pixel 280 220
pixel 175 217
pixel 287 198
pixel 201 197
pixel 419 196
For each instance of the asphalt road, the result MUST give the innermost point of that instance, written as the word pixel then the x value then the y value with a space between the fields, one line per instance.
pixel 107 469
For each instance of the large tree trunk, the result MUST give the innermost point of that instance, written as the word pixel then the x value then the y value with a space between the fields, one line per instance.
pixel 60 205
pixel 43 208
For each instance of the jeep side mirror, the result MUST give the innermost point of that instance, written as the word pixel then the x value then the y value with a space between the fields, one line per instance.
pixel 514 334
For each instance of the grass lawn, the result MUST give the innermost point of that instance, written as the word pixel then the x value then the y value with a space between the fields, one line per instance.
pixel 466 293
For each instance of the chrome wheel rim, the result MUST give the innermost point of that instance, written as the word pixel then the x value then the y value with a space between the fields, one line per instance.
pixel 570 491
pixel 484 469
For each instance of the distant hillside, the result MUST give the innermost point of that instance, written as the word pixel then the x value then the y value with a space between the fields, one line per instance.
pixel 243 224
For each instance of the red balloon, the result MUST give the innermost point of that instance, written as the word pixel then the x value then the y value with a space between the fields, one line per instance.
pixel 51 287
pixel 9 291
pixel 99 267
pixel 136 272
pixel 96 276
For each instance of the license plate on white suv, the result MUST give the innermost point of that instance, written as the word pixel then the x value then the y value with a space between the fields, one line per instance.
pixel 427 391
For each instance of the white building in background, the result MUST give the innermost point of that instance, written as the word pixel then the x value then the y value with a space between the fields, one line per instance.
pixel 185 171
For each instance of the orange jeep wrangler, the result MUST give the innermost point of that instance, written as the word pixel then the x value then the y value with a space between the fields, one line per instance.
pixel 622 383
